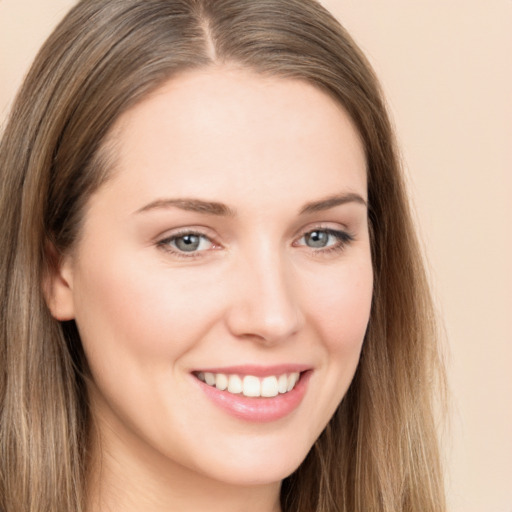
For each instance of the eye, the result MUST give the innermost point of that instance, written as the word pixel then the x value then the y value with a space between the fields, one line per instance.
pixel 187 243
pixel 318 239
pixel 325 239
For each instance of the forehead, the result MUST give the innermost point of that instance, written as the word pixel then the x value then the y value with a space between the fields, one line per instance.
pixel 207 130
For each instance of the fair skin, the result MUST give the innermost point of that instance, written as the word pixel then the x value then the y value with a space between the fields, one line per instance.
pixel 231 239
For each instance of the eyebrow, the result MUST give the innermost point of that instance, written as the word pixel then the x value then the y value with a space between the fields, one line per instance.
pixel 191 205
pixel 220 209
pixel 331 202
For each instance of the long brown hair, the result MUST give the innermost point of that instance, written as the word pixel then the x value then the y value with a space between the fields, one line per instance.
pixel 379 452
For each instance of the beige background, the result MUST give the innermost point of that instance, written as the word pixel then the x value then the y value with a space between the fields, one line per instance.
pixel 446 68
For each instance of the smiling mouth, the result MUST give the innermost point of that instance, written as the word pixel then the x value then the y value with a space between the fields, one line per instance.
pixel 250 385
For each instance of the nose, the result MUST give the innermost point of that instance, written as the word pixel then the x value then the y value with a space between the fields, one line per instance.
pixel 264 305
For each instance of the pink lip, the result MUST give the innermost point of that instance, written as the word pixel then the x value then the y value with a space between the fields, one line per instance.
pixel 261 409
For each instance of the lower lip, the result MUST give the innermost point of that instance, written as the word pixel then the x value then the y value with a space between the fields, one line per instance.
pixel 258 409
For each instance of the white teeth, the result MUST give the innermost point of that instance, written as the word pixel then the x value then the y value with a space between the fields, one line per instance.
pixel 282 384
pixel 269 387
pixel 292 380
pixel 250 385
pixel 221 381
pixel 235 384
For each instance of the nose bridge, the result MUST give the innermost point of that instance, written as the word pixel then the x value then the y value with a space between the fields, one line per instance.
pixel 265 305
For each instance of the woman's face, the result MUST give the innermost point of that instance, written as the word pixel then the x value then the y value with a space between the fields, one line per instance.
pixel 229 248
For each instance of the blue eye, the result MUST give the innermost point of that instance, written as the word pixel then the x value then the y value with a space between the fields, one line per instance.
pixel 325 239
pixel 187 242
pixel 317 239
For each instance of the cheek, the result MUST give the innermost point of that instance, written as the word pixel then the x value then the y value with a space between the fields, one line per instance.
pixel 340 303
pixel 144 310
pixel 137 322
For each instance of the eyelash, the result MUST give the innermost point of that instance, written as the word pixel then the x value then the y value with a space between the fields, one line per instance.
pixel 165 244
pixel 343 239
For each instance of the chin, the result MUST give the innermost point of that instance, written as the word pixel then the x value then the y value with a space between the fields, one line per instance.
pixel 263 468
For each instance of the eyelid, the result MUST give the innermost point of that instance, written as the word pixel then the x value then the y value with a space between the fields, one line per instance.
pixel 332 227
pixel 185 230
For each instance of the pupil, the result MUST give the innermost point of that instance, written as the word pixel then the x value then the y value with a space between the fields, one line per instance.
pixel 187 243
pixel 317 239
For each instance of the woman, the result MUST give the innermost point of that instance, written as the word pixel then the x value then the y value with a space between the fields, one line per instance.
pixel 212 296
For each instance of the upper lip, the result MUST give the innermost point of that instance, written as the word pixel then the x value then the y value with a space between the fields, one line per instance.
pixel 256 370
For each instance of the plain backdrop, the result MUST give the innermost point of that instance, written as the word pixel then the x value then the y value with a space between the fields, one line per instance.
pixel 445 66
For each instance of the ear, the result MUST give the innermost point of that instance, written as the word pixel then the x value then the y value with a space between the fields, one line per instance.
pixel 58 284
